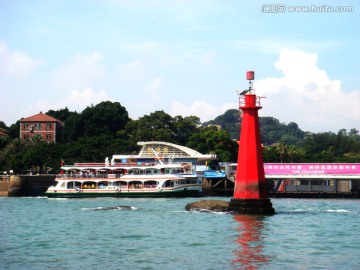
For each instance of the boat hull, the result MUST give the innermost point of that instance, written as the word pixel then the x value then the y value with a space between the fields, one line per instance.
pixel 182 193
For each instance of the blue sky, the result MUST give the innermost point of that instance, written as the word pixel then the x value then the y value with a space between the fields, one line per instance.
pixel 183 57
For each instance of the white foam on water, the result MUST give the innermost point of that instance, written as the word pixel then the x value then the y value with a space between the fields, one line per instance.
pixel 338 211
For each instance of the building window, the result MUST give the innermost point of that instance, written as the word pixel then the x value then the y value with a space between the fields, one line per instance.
pixel 48 126
pixel 37 126
pixel 26 126
pixel 26 136
pixel 48 137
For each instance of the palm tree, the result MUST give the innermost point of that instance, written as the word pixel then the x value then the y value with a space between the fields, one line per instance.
pixel 292 152
pixel 281 149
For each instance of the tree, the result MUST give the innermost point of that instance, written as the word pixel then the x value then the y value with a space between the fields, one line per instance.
pixel 62 114
pixel 292 152
pixel 282 149
pixel 212 140
pixel 230 121
pixel 158 126
pixel 37 138
pixel 354 134
pixel 3 126
pixel 106 118
pixel 90 149
pixel 184 127
pixel 14 130
pixel 8 152
pixel 270 154
pixel 4 140
pixel 74 128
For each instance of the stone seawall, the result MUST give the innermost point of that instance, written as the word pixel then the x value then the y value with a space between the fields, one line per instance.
pixel 29 185
pixel 4 186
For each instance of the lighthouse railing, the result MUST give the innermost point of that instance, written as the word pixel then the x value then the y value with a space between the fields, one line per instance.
pixel 242 102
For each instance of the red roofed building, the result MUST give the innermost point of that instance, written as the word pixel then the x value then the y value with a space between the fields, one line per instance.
pixel 3 134
pixel 41 124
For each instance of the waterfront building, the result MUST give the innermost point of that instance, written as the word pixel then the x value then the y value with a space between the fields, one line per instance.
pixel 3 134
pixel 42 124
pixel 289 179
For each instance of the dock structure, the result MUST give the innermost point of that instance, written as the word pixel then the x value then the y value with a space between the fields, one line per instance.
pixel 4 185
pixel 297 180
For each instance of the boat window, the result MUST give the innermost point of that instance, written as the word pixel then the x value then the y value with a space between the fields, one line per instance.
pixel 121 184
pixel 150 184
pixel 168 183
pixel 89 185
pixel 116 183
pixel 77 184
pixel 103 184
pixel 135 184
pixel 70 185
pixel 63 185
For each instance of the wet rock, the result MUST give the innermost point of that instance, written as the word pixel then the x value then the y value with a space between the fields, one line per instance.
pixel 208 206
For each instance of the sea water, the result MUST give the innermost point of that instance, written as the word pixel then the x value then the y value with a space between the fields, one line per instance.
pixel 106 233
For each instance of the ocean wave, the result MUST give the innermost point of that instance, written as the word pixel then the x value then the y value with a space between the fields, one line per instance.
pixel 199 210
pixel 312 211
pixel 120 207
pixel 338 211
pixel 34 197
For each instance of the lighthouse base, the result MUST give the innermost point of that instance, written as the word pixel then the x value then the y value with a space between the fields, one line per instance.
pixel 251 206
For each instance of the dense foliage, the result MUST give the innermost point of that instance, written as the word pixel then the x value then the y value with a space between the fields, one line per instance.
pixel 271 130
pixel 106 129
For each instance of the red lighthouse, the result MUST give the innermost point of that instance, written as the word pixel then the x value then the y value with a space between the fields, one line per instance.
pixel 250 195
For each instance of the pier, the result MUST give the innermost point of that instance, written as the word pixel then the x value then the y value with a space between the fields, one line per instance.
pixel 296 180
pixel 4 185
pixel 25 185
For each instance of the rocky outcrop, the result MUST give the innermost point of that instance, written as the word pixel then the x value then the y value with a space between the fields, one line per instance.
pixel 236 206
pixel 208 206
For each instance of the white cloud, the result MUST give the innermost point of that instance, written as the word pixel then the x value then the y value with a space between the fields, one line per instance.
pixel 142 48
pixel 15 63
pixel 86 97
pixel 307 96
pixel 78 100
pixel 80 71
pixel 132 70
pixel 155 84
pixel 202 109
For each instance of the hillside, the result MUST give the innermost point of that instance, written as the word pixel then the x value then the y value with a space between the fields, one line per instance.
pixel 271 130
pixel 105 129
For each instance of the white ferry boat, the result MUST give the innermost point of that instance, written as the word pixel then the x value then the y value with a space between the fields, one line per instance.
pixel 159 170
pixel 125 180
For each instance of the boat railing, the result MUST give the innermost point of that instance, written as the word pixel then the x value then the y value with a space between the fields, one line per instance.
pixel 115 165
pixel 116 175
pixel 90 176
pixel 104 175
